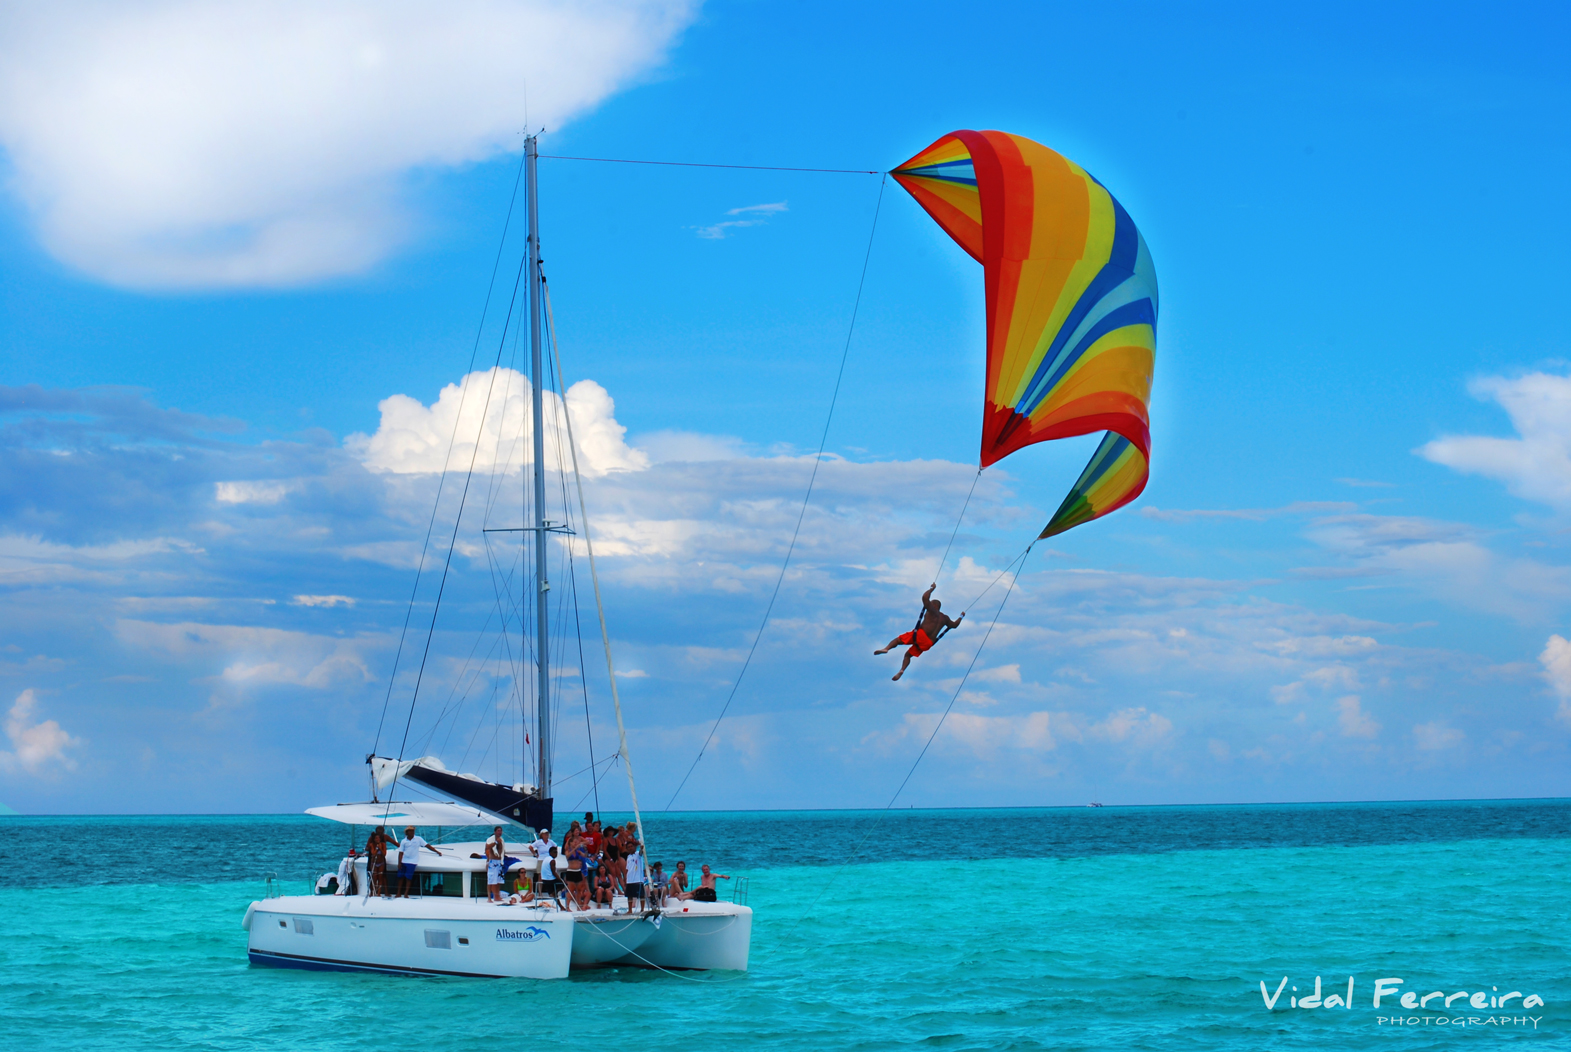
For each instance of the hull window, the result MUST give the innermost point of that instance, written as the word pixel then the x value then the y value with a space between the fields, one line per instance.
pixel 303 926
pixel 439 940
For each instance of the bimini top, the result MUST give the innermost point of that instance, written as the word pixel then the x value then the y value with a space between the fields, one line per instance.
pixel 406 813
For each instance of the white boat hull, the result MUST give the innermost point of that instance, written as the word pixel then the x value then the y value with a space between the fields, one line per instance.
pixel 698 935
pixel 429 936
pixel 600 937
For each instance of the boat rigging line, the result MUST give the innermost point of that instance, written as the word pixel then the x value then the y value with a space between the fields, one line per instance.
pixel 818 459
pixel 1019 561
pixel 697 164
pixel 594 574
pixel 452 543
pixel 451 441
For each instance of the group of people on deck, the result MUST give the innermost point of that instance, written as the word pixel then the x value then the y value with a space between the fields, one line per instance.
pixel 592 866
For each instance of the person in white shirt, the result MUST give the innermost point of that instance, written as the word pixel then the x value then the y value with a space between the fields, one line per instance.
pixel 409 859
pixel 635 876
pixel 542 844
pixel 346 874
pixel 550 885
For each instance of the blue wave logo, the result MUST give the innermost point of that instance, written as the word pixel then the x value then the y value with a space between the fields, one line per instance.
pixel 533 933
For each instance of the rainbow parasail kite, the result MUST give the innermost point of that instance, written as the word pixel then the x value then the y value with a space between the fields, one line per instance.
pixel 1071 306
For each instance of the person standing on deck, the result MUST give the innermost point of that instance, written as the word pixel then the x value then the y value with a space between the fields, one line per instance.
pixel 376 860
pixel 921 638
pixel 493 871
pixel 635 876
pixel 409 859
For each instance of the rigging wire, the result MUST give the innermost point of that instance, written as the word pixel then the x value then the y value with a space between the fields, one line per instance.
pixel 818 459
pixel 452 543
pixel 955 532
pixel 583 681
pixel 452 440
pixel 594 577
pixel 696 164
pixel 1018 560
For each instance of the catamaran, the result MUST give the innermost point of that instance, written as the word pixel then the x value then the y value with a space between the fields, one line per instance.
pixel 449 925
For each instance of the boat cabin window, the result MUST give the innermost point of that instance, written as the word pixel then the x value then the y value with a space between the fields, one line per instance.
pixel 441 884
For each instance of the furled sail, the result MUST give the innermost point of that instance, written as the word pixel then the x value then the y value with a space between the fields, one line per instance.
pixel 1071 306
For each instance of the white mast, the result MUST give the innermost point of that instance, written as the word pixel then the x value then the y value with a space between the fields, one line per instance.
pixel 536 384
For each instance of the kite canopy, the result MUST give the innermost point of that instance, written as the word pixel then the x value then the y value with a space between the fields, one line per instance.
pixel 1071 306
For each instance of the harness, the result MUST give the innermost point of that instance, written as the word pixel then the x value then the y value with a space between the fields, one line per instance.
pixel 942 631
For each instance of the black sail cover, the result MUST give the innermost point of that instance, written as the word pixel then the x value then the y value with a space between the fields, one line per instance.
pixel 504 800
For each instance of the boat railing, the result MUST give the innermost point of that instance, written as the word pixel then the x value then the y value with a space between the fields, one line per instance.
pixel 739 891
pixel 273 889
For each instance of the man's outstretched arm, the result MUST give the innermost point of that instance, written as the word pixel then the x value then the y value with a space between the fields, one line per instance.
pixel 928 594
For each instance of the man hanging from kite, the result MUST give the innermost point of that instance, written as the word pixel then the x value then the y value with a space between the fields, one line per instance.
pixel 929 630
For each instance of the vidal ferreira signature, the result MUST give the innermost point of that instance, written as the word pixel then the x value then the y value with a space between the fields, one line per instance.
pixel 1477 999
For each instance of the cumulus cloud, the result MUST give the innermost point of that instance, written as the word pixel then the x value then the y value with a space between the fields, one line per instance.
pixel 175 143
pixel 250 492
pixel 34 745
pixel 1302 507
pixel 33 560
pixel 252 656
pixel 1353 721
pixel 1449 560
pixel 983 736
pixel 1090 666
pixel 1537 464
pixel 1436 736
pixel 1556 660
pixel 1134 725
pixel 323 600
pixel 491 410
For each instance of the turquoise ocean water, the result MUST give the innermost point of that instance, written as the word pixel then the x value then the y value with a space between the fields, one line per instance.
pixel 1118 928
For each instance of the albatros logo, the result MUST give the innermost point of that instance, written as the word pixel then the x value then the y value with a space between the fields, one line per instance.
pixel 533 933
pixel 1390 997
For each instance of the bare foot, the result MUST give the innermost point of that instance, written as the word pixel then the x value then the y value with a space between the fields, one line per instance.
pixel 876 653
pixel 897 675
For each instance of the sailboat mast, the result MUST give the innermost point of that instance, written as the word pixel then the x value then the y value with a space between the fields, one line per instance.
pixel 542 583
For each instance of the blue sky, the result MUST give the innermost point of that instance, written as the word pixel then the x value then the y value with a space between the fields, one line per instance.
pixel 230 236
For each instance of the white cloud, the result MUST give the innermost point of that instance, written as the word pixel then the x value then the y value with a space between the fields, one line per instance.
pixel 250 492
pixel 323 600
pixel 413 438
pixel 1446 559
pixel 171 143
pixel 687 446
pixel 983 736
pixel 255 656
pixel 1435 736
pixel 33 560
pixel 1134 725
pixel 1535 466
pixel 34 746
pixel 1353 721
pixel 759 217
pixel 1556 660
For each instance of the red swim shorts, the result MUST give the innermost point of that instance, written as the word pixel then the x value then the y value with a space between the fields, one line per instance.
pixel 918 642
